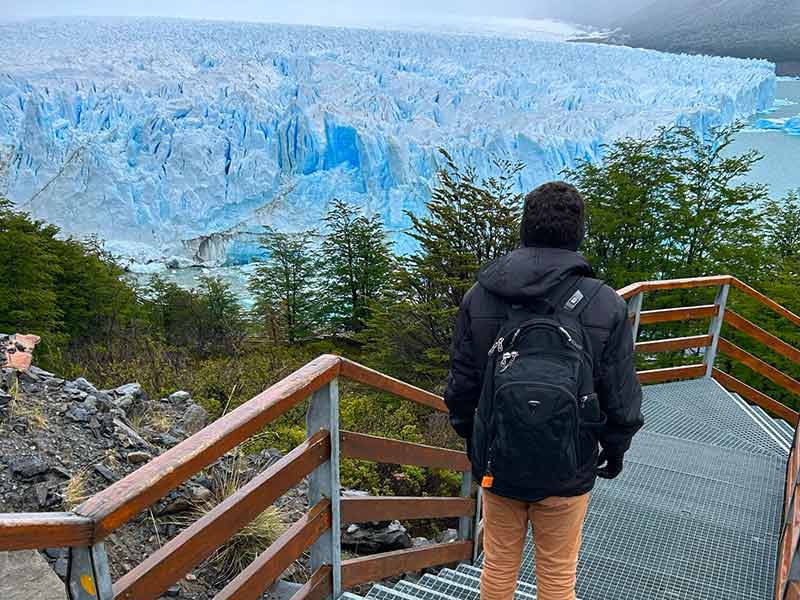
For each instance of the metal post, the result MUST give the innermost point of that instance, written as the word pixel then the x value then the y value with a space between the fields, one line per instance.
pixel 465 523
pixel 715 329
pixel 477 528
pixel 323 413
pixel 635 310
pixel 88 575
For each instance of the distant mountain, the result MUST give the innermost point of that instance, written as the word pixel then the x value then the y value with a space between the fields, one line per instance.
pixel 743 28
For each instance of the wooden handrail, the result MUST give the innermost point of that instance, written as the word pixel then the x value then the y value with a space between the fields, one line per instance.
pixel 318 586
pixel 674 284
pixel 360 373
pixel 759 366
pixel 364 509
pixel 772 342
pixel 251 583
pixel 384 450
pixel 671 345
pixel 118 503
pixel 388 564
pixel 784 312
pixel 199 541
pixel 733 384
pixel 32 531
pixel 672 374
pixel 686 313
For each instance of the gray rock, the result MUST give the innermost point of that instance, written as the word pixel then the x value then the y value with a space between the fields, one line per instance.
pixel 78 414
pixel 60 567
pixel 180 398
pixel 54 553
pixel 194 419
pixel 105 472
pixel 5 398
pixel 173 591
pixel 131 434
pixel 131 389
pixel 90 404
pixel 447 536
pixel 28 466
pixel 25 575
pixel 199 493
pixel 105 402
pixel 417 542
pixel 83 385
pixel 137 458
pixel 41 372
pixel 370 539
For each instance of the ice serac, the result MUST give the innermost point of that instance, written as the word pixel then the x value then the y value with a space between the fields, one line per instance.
pixel 179 139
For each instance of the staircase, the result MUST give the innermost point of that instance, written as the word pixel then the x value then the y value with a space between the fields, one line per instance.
pixel 706 508
pixel 695 514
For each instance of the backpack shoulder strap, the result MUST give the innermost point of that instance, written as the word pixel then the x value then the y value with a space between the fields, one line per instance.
pixel 579 296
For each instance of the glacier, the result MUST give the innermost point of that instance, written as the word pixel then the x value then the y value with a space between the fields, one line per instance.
pixel 177 141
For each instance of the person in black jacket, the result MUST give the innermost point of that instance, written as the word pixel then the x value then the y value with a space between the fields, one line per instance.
pixel 551 233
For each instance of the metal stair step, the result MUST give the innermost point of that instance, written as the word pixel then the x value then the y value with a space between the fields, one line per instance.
pixel 350 596
pixel 473 580
pixel 462 591
pixel 415 590
pixel 381 592
pixel 769 425
pixel 785 427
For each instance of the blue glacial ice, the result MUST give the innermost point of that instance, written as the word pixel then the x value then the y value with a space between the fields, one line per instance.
pixel 790 125
pixel 184 138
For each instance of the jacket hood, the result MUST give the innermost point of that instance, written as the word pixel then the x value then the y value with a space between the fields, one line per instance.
pixel 531 272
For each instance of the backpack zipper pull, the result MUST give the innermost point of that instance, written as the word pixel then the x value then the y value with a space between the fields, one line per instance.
pixel 497 346
pixel 569 339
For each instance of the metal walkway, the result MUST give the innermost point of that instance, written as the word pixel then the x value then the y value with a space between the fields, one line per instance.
pixel 695 515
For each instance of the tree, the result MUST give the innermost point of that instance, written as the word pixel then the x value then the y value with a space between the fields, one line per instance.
pixel 783 225
pixel 285 286
pixel 469 221
pixel 357 262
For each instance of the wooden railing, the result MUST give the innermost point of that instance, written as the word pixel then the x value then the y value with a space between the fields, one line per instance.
pixel 713 343
pixel 84 530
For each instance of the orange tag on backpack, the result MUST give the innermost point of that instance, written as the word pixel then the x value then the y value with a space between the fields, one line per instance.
pixel 487 481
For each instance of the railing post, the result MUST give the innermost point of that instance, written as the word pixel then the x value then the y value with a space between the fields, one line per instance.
pixel 715 329
pixel 465 523
pixel 88 575
pixel 323 413
pixel 635 311
pixel 476 547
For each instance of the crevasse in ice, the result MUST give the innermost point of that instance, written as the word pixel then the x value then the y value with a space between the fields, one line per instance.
pixel 169 137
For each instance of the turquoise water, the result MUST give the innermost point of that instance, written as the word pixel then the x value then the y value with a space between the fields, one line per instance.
pixel 780 168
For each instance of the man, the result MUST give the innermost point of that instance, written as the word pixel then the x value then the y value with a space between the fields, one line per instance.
pixel 545 290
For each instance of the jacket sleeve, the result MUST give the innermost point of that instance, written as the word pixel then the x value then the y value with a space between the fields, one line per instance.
pixel 463 380
pixel 619 390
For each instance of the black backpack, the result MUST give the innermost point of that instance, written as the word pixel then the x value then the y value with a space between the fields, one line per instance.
pixel 538 390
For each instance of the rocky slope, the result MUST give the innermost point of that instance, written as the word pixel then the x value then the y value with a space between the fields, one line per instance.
pixel 62 441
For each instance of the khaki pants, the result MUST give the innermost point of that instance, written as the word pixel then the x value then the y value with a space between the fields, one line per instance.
pixel 557 524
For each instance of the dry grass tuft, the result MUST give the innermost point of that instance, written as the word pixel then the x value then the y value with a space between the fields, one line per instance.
pixel 28 408
pixel 256 536
pixel 76 490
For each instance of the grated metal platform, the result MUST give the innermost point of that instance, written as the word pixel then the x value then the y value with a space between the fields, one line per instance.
pixel 695 515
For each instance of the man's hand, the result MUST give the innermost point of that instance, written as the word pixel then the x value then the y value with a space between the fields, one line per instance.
pixel 609 465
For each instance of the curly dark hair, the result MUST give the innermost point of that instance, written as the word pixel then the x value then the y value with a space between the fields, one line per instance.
pixel 553 217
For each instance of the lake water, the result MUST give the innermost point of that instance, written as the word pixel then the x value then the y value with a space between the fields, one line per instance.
pixel 780 168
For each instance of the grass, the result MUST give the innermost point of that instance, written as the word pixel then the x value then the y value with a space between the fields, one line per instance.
pixel 155 419
pixel 28 408
pixel 76 490
pixel 245 545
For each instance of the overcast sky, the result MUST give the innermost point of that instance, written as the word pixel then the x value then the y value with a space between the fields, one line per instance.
pixel 339 11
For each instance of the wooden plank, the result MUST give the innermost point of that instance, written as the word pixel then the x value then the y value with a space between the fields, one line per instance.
pixel 759 366
pixel 685 313
pixel 671 345
pixel 363 509
pixel 384 450
pixel 251 583
pixel 372 378
pixel 784 312
pixel 318 586
pixel 673 284
pixel 380 566
pixel 672 374
pixel 198 541
pixel 733 384
pixel 118 503
pixel 33 531
pixel 766 338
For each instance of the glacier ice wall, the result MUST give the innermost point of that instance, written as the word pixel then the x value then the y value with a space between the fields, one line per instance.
pixel 169 137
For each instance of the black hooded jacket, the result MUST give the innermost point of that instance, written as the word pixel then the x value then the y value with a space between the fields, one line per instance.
pixel 520 277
